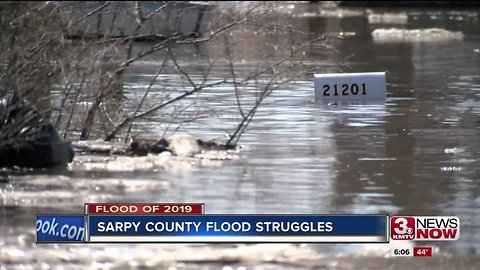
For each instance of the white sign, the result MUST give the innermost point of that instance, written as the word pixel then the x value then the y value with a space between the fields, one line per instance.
pixel 350 86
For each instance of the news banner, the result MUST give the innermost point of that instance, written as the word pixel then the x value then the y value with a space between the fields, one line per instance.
pixel 188 223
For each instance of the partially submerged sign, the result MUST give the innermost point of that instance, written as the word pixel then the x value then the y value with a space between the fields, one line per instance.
pixel 350 86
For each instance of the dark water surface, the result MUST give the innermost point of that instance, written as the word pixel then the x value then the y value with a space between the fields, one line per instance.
pixel 415 154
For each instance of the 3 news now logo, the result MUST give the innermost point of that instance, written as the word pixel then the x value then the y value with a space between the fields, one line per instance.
pixel 428 228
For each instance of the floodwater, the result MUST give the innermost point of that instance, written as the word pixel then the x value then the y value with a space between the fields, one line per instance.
pixel 415 154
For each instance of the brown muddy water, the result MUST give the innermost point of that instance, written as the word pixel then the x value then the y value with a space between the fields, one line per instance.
pixel 415 154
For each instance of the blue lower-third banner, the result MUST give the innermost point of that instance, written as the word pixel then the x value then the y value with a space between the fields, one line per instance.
pixel 60 228
pixel 239 228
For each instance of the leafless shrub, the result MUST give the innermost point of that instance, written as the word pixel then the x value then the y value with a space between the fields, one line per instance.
pixel 69 60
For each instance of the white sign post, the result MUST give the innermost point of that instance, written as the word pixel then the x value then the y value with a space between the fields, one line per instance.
pixel 350 86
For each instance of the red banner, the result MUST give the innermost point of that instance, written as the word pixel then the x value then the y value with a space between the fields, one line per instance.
pixel 144 208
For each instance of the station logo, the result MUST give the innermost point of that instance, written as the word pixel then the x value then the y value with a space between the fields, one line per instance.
pixel 425 228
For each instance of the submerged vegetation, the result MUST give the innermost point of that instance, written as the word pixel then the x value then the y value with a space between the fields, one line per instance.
pixel 75 78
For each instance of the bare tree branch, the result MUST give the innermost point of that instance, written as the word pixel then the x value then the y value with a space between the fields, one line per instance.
pixel 156 108
pixel 160 70
pixel 232 72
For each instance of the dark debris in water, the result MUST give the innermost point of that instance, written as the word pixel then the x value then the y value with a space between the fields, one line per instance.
pixel 181 144
pixel 144 147
pixel 27 138
pixel 4 178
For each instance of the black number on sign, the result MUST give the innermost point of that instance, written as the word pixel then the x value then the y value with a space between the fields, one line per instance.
pixel 354 89
pixel 326 88
pixel 345 89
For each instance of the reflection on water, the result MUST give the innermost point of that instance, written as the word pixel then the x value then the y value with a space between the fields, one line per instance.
pixel 416 154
